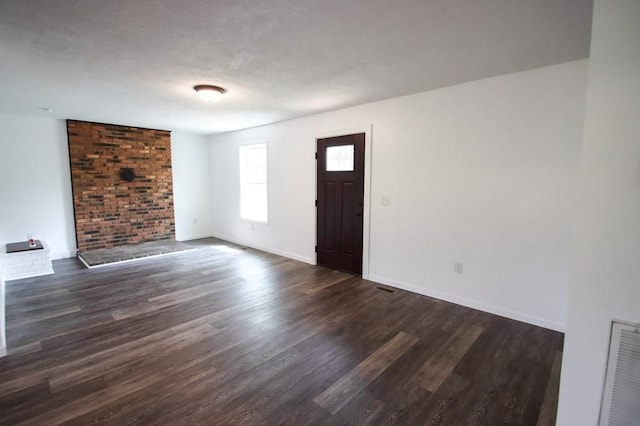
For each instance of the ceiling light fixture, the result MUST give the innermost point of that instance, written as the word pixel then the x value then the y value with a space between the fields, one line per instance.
pixel 208 92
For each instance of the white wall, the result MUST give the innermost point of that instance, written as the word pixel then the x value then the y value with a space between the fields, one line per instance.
pixel 191 185
pixel 606 277
pixel 35 185
pixel 483 173
pixel 290 231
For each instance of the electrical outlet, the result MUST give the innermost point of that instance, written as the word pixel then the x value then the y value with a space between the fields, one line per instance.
pixel 457 267
pixel 386 200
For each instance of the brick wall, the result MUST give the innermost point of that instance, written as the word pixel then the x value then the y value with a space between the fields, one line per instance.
pixel 109 211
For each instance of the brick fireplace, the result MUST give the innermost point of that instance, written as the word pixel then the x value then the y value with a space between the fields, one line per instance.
pixel 111 210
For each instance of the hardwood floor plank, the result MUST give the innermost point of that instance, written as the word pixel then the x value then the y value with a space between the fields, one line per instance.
pixel 547 416
pixel 325 362
pixel 439 408
pixel 43 316
pixel 129 357
pixel 308 413
pixel 41 297
pixel 348 387
pixel 402 377
pixel 44 401
pixel 95 400
pixel 317 284
pixel 64 373
pixel 25 349
pixel 360 411
pixel 450 396
pixel 442 363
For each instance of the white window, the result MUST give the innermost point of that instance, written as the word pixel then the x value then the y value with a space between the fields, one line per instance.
pixel 253 182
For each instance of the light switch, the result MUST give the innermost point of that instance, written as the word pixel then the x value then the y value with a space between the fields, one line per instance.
pixel 386 200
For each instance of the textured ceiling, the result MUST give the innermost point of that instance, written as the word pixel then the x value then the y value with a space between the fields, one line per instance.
pixel 135 62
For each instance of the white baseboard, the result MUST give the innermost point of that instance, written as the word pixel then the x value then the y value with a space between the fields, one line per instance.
pixel 267 249
pixel 194 237
pixel 507 313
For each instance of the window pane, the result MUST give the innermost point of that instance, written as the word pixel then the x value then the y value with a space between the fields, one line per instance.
pixel 257 164
pixel 253 182
pixel 340 158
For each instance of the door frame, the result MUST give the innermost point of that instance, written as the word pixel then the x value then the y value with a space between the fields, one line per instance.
pixel 366 220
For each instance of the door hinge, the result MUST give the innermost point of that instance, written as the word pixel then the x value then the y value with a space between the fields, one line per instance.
pixel 316 155
pixel 316 249
pixel 316 203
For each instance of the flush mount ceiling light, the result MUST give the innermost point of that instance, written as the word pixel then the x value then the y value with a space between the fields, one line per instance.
pixel 208 92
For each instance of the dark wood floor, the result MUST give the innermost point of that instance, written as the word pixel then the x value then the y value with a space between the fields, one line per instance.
pixel 224 337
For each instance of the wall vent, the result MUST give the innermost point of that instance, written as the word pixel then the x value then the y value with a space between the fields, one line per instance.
pixel 621 398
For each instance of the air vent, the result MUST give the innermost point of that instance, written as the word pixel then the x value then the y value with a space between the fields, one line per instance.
pixel 388 290
pixel 621 398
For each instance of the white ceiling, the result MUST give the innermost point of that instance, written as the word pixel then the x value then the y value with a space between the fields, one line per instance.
pixel 134 62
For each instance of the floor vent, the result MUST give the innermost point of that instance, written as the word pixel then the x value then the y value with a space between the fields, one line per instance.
pixel 388 290
pixel 621 398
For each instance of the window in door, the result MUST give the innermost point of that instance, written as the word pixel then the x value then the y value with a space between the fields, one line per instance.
pixel 253 182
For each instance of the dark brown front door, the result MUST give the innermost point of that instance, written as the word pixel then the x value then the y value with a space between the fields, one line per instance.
pixel 340 202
